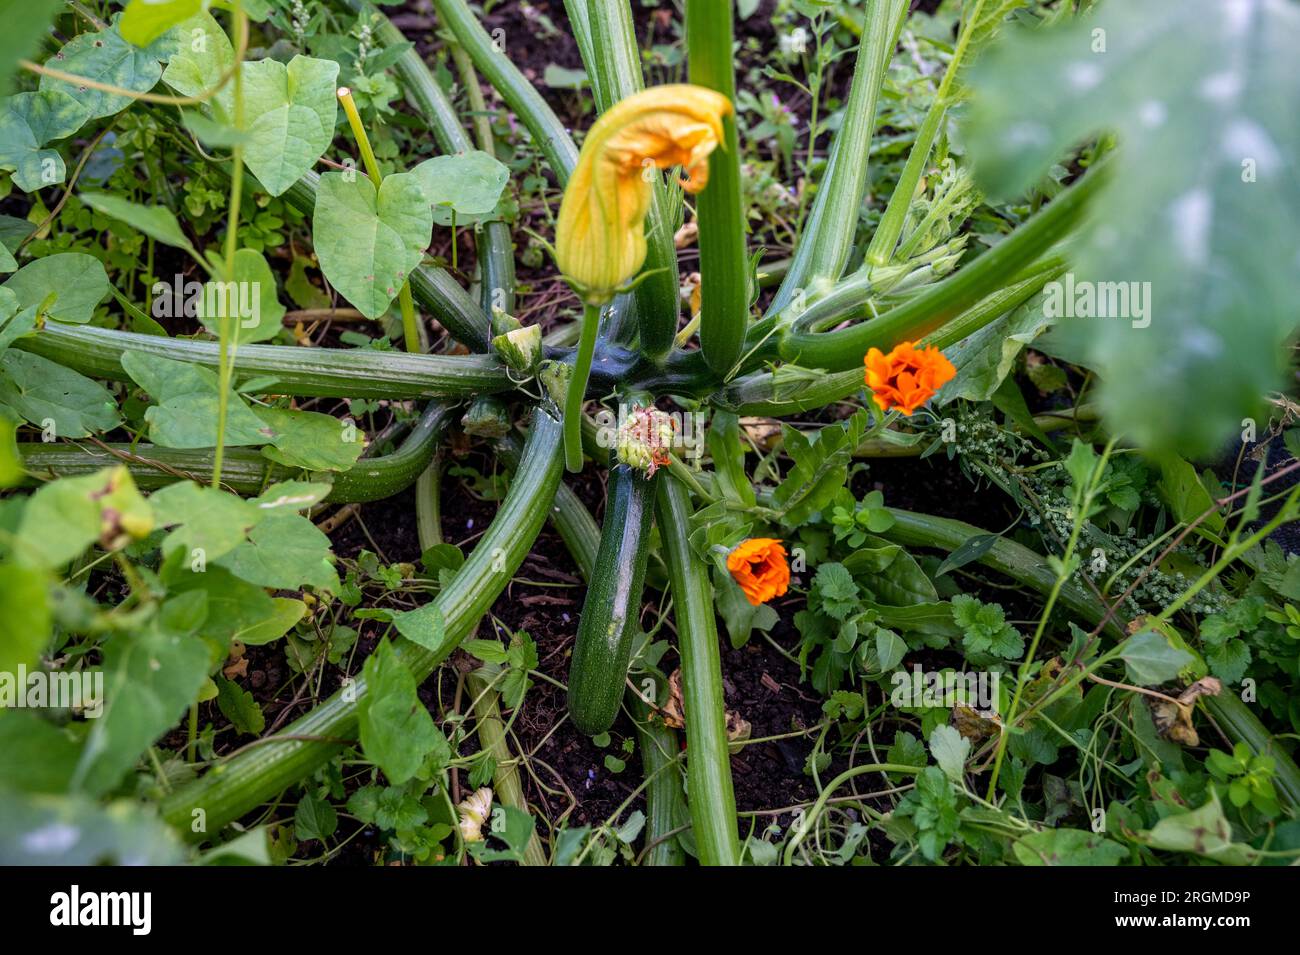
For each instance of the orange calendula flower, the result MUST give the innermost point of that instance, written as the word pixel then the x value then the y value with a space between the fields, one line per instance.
pixel 908 376
pixel 600 235
pixel 758 565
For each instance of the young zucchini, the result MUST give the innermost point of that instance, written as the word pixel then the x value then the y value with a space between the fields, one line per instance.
pixel 609 614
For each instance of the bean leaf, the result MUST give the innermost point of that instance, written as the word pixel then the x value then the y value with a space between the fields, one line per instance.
pixel 28 122
pixel 368 242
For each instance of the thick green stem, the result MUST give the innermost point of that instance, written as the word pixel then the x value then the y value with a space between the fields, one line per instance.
pixel 708 763
pixel 319 372
pixel 523 99
pixel 827 239
pixel 574 397
pixel 724 269
pixel 237 785
pixel 247 471
pixel 938 304
pixel 891 222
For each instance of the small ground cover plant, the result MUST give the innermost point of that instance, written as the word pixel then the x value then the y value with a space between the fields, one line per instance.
pixel 793 432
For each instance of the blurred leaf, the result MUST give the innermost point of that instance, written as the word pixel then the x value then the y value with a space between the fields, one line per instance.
pixel 1068 847
pixel 144 21
pixel 26 21
pixel 69 830
pixel 1201 95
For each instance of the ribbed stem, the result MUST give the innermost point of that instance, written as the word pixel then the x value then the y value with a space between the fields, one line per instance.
pixel 827 239
pixel 236 786
pixel 576 394
pixel 724 269
pixel 708 764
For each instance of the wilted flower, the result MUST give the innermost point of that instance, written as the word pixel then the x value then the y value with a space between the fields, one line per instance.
pixel 600 238
pixel 645 438
pixel 758 565
pixel 474 811
pixel 908 376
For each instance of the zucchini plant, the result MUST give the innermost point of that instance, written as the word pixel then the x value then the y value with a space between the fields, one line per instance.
pixel 1038 202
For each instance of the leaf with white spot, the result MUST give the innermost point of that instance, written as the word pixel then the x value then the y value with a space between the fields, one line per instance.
pixel 105 58
pixel 1201 216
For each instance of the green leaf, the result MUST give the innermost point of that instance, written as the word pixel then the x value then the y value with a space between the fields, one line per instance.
pixel 1182 490
pixel 105 57
pixel 78 282
pixel 1152 659
pixel 1205 832
pixel 971 549
pixel 11 462
pixel 144 21
pixel 1200 94
pixel 397 732
pixel 205 55
pixel 821 467
pixel 1068 847
pixel 28 121
pixel 424 625
pixel 248 298
pixel 314 819
pixel 206 522
pixel 740 616
pixel 81 832
pixel 186 413
pixel 284 551
pixel 47 394
pixel 26 22
pixel 728 454
pixel 157 222
pixel 368 243
pixel 311 440
pixel 949 749
pixel 984 360
pixel 293 110
pixel 512 826
pixel 151 676
pixel 24 616
pixel 66 516
pixel 284 615
pixel 468 184
pixel 238 706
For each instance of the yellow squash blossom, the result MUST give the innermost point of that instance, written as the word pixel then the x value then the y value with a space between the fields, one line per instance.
pixel 600 238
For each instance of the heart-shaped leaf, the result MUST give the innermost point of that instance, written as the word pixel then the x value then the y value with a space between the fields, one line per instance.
pixel 204 56
pixel 186 413
pixel 368 242
pixel 293 110
pixel 49 395
pixel 468 184
pixel 105 57
pixel 249 299
pixel 78 282
pixel 28 121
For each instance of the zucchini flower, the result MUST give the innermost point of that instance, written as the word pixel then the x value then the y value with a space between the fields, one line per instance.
pixel 600 237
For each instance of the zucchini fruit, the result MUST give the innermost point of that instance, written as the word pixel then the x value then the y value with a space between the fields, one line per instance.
pixel 609 614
